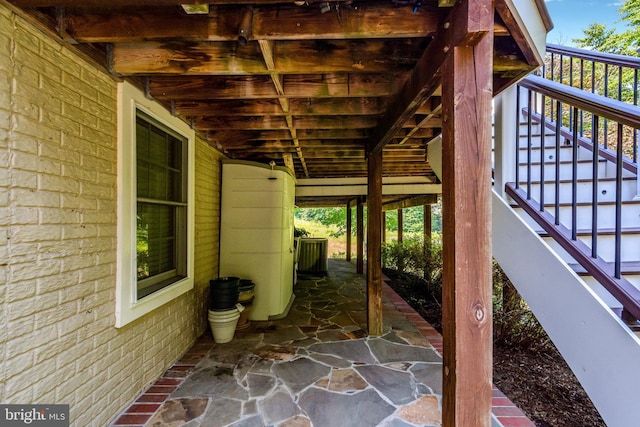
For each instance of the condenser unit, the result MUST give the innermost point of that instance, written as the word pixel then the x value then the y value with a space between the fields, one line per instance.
pixel 313 256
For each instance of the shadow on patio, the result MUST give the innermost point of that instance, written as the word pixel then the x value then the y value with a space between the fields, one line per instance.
pixel 317 367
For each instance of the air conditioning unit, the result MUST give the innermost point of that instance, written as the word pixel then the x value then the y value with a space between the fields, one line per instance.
pixel 313 256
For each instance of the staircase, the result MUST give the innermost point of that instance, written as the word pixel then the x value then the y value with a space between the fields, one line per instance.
pixel 566 213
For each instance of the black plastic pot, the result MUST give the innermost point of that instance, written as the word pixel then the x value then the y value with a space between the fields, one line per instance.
pixel 223 293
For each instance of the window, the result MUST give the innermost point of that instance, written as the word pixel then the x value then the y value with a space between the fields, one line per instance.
pixel 155 199
pixel 161 206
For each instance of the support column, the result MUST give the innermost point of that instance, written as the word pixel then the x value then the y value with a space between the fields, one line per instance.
pixel 359 237
pixel 400 226
pixel 384 227
pixel 466 162
pixel 348 249
pixel 426 223
pixel 426 229
pixel 374 244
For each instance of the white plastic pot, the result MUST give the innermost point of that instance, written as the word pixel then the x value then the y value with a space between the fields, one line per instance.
pixel 223 323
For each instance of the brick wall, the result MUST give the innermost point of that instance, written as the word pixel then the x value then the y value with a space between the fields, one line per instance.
pixel 58 238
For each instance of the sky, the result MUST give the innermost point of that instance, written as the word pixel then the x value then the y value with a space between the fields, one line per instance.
pixel 571 17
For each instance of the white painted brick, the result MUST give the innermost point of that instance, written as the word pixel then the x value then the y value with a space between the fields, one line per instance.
pixel 88 189
pixel 58 216
pixel 59 155
pixel 79 115
pixel 60 90
pixel 23 179
pixel 31 162
pixel 75 201
pixel 26 126
pixel 31 306
pixel 62 346
pixel 34 233
pixel 16 365
pixel 74 323
pixel 77 172
pixel 20 397
pixel 78 145
pixel 58 183
pixel 93 301
pixel 62 122
pixel 57 282
pixel 99 137
pixel 19 327
pixel 79 231
pixel 19 291
pixel 26 343
pixel 55 314
pixel 26 107
pixel 103 165
pixel 44 268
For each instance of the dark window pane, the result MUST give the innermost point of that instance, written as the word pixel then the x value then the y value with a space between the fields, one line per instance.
pixel 156 237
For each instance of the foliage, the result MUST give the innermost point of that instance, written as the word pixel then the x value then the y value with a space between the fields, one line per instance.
pixel 514 324
pixel 316 229
pixel 336 219
pixel 300 232
pixel 416 257
pixel 599 37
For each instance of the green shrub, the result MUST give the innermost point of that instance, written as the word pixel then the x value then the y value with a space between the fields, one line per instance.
pixel 420 265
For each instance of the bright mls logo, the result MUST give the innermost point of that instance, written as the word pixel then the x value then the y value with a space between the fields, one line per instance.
pixel 34 415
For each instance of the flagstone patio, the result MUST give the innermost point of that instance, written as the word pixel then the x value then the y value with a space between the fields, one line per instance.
pixel 317 367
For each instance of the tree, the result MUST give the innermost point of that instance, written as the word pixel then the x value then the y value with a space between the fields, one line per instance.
pixel 599 37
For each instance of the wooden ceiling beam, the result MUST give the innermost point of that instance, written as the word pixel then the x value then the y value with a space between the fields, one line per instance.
pixel 231 136
pixel 261 86
pixel 266 47
pixel 327 134
pixel 228 58
pixel 427 199
pixel 335 122
pixel 461 27
pixel 376 19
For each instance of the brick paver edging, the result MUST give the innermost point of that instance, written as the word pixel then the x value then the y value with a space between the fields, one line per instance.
pixel 505 411
pixel 148 403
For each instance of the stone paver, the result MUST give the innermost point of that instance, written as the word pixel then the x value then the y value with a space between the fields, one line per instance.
pixel 316 367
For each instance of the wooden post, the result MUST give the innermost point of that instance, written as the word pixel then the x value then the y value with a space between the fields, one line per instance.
pixel 400 226
pixel 426 229
pixel 466 163
pixel 359 237
pixel 374 243
pixel 384 227
pixel 348 249
pixel 427 226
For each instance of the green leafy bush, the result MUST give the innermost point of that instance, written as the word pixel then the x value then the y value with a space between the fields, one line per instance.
pixel 419 266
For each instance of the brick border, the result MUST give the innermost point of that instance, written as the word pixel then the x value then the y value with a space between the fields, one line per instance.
pixel 508 414
pixel 149 401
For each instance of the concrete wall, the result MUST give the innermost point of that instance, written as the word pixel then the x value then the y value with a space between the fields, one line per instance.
pixel 58 238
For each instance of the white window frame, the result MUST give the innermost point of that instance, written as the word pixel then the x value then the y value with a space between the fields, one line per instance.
pixel 128 307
